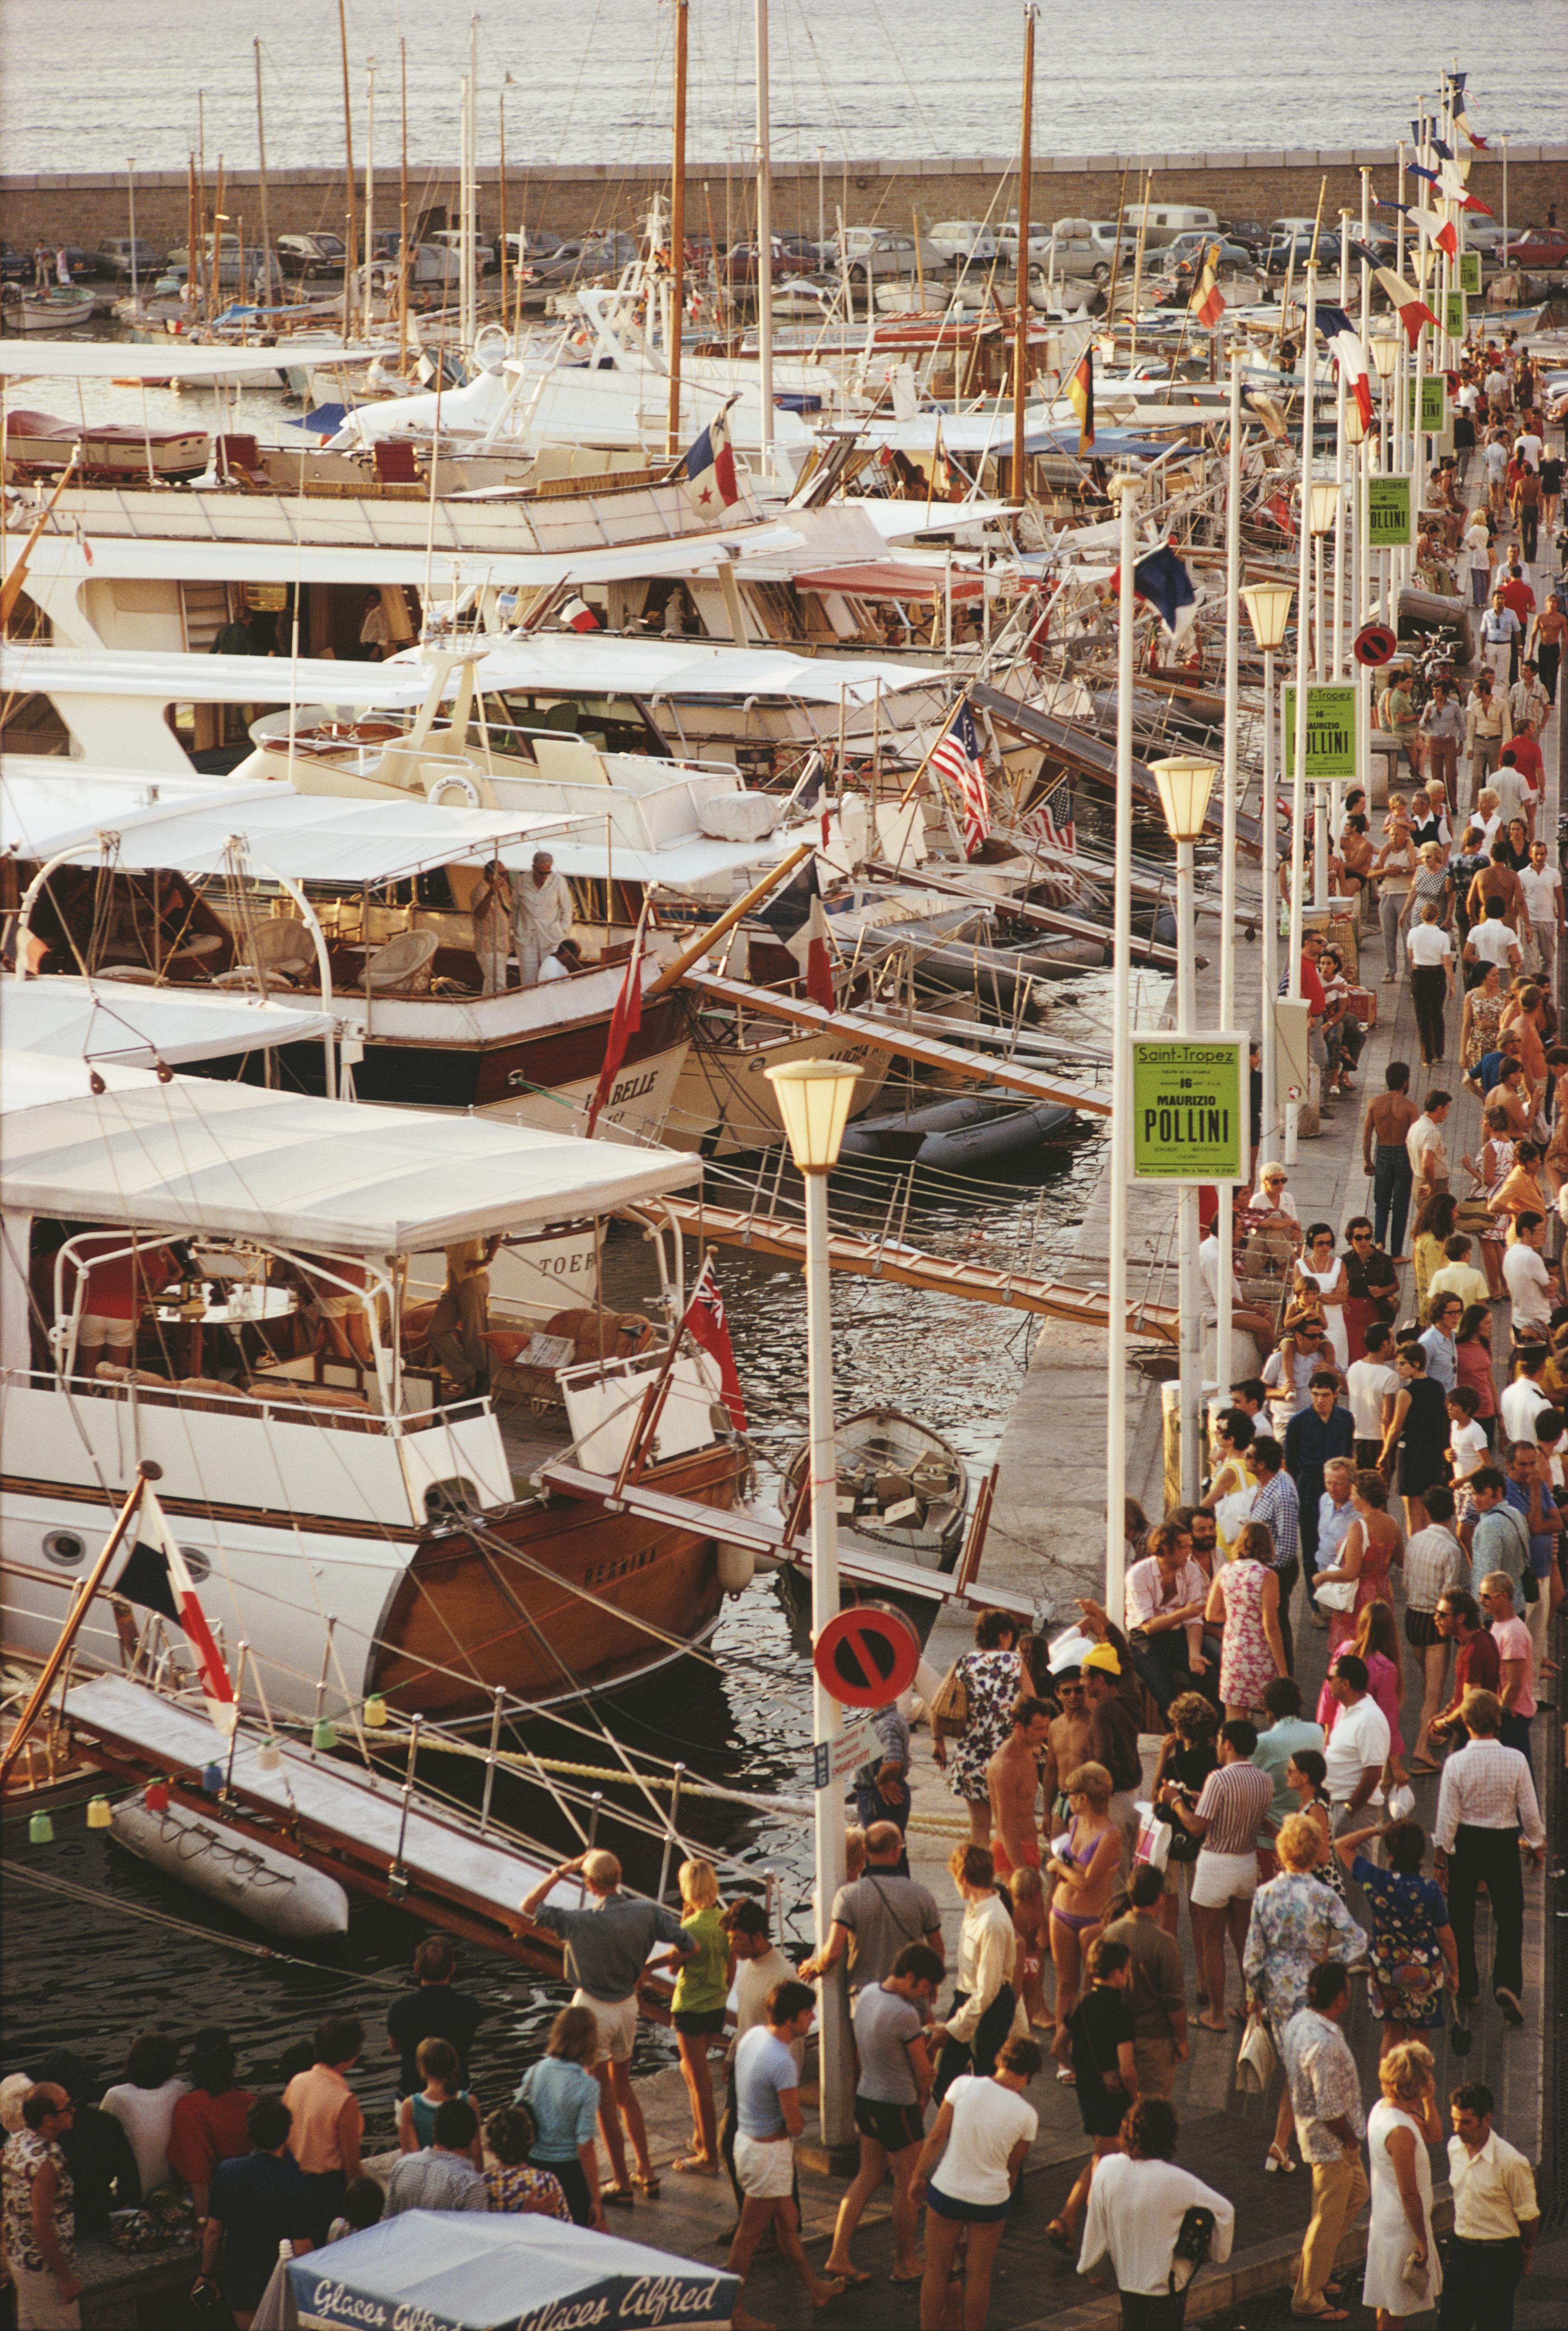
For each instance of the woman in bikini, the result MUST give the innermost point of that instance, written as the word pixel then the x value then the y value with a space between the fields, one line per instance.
pixel 1085 1870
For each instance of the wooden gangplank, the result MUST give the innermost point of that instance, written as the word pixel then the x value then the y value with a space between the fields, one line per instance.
pixel 929 1051
pixel 1030 910
pixel 869 1256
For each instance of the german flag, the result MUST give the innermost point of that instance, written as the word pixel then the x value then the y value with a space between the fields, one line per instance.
pixel 1080 396
pixel 1206 303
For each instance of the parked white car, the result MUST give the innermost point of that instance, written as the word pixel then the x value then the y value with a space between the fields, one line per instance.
pixel 963 239
pixel 874 253
pixel 1079 246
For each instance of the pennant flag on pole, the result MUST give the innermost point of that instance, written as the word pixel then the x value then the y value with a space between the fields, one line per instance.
pixel 1452 182
pixel 1444 153
pixel 1354 368
pixel 1206 302
pixel 1163 580
pixel 1441 231
pixel 1411 308
pixel 576 613
pixel 704 1322
pixel 1461 114
pixel 709 468
pixel 624 1022
pixel 1267 410
pixel 811 949
pixel 1418 171
pixel 958 758
pixel 154 1571
pixel 1080 396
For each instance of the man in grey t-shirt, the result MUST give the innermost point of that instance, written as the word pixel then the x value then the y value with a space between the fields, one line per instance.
pixel 874 1918
pixel 890 2095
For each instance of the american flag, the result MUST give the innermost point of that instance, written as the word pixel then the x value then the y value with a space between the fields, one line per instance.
pixel 1041 821
pixel 958 758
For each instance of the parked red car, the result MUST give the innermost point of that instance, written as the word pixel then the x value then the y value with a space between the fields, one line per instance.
pixel 1541 246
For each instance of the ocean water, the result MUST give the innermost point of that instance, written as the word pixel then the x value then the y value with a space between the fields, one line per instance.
pixel 589 82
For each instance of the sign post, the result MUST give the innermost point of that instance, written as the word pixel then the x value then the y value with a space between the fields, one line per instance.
pixel 1387 518
pixel 1330 721
pixel 1191 1116
pixel 1434 409
pixel 1454 315
pixel 1470 273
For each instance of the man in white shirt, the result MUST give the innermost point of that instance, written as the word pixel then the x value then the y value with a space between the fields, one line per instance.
pixel 1163 1608
pixel 1542 884
pixel 1530 447
pixel 1428 1158
pixel 1496 2216
pixel 1488 1815
pixel 542 913
pixel 1358 1745
pixel 1372 1384
pixel 759 1964
pixel 1492 941
pixel 1134 2213
pixel 1528 701
pixel 1529 1282
pixel 1525 1397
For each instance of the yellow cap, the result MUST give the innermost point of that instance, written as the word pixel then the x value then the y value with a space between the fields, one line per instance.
pixel 1103 1656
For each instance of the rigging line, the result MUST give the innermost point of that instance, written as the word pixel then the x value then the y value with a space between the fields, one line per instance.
pixel 18 1874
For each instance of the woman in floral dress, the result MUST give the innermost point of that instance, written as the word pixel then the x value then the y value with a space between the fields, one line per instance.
pixel 1480 1029
pixel 1245 1596
pixel 1371 1544
pixel 1489 1170
pixel 1414 1959
pixel 1297 1923
pixel 993 1680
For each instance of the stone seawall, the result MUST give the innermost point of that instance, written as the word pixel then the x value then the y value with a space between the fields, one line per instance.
pixel 86 208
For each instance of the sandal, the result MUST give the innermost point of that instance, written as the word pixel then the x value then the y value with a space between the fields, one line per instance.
pixel 1060 2235
pixel 647 2186
pixel 616 2197
pixel 1277 2164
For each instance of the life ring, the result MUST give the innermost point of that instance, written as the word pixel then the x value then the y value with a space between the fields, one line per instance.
pixel 466 786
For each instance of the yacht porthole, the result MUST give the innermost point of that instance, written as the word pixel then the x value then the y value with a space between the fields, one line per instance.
pixel 64 1547
pixel 198 1564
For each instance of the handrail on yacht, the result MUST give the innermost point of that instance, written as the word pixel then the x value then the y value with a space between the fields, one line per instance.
pixel 266 1406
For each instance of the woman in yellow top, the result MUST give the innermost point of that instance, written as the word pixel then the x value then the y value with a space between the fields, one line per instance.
pixel 1229 1437
pixel 697 2009
pixel 1434 1228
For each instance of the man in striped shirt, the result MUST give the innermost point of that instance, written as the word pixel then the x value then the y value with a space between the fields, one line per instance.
pixel 1488 1814
pixel 1228 1816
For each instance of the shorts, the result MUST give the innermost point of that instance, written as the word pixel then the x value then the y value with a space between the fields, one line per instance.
pixel 1179 1878
pixel 615 2022
pixel 1221 1878
pixel 894 2128
pixel 698 2023
pixel 1004 1866
pixel 764 2171
pixel 974 2213
pixel 1420 1630
pixel 118 1334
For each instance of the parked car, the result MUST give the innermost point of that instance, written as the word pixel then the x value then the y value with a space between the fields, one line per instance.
pixel 485 253
pixel 118 253
pixel 1088 247
pixel 15 264
pixel 1180 259
pixel 963 240
pixel 1538 246
pixel 1163 223
pixel 1486 236
pixel 584 256
pixel 1285 253
pixel 309 254
pixel 887 254
pixel 533 244
pixel 1248 230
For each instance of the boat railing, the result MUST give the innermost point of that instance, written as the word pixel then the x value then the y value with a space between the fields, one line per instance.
pixel 287 1404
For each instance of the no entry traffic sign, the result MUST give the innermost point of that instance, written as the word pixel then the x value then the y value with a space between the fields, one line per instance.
pixel 1375 645
pixel 866 1656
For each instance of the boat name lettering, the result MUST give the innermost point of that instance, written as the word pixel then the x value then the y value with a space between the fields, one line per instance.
pixel 634 1090
pixel 566 2318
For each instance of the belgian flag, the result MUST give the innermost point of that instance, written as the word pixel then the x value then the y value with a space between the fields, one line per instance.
pixel 1080 396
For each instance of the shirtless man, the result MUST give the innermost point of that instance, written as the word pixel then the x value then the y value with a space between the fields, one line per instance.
pixel 1389 1116
pixel 1012 1778
pixel 1067 1743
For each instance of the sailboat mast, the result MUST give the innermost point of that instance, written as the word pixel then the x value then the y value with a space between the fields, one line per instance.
pixel 369 184
pixel 402 215
pixel 764 234
pixel 1021 340
pixel 262 160
pixel 501 191
pixel 677 234
pixel 351 256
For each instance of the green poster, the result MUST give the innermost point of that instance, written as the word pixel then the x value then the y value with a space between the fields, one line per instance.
pixel 1434 406
pixel 1190 1114
pixel 1387 513
pixel 1330 727
pixel 1454 315
pixel 1470 272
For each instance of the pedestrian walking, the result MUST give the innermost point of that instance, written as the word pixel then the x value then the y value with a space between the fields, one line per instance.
pixel 1139 2207
pixel 1415 1964
pixel 1496 2217
pixel 1246 1599
pixel 1385 1128
pixel 891 2091
pixel 1358 1749
pixel 1013 1777
pixel 563 2095
pixel 966 2176
pixel 1099 2041
pixel 1432 960
pixel 1488 1817
pixel 1314 1437
pixel 1403 2274
pixel 1188 1755
pixel 987 2005
pixel 875 1915
pixel 607 1948
pixel 1156 1985
pixel 1434 1561
pixel 697 2011
pixel 1084 1864
pixel 988 1679
pixel 1298 1923
pixel 768 2116
pixel 1516 1656
pixel 1230 1809
pixel 37 2213
pixel 1326 2098
pixel 1418 1437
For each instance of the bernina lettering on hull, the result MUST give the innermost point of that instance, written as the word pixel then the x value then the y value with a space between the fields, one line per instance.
pixel 1190 1115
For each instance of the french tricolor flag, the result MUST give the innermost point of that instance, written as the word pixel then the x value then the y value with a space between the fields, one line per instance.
pixel 1409 305
pixel 1345 345
pixel 1441 231
pixel 1452 182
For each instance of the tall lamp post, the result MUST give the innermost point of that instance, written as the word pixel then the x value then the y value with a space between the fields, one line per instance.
pixel 1185 787
pixel 814 1100
pixel 1268 606
pixel 1303 671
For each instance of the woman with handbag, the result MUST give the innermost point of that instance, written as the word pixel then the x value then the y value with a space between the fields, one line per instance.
pixel 1298 1923
pixel 1245 1596
pixel 974 1708
pixel 1415 1957
pixel 1231 1489
pixel 1404 2273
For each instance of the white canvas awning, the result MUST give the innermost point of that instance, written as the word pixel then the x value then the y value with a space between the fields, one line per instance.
pixel 111 1020
pixel 167 359
pixel 195 1156
pixel 574 663
pixel 47 803
pixel 165 677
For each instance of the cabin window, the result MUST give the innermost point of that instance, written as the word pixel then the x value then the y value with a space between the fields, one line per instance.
pixel 197 1564
pixel 63 1547
pixel 451 1500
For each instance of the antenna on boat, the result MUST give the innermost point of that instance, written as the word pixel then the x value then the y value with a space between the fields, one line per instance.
pixel 1020 334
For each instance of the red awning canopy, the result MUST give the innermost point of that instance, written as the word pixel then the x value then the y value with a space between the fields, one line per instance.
pixel 884 579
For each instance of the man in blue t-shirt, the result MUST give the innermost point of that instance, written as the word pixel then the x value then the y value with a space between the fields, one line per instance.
pixel 767 2116
pixel 259 2201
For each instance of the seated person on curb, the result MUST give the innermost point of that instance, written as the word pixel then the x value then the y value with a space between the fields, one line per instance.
pixel 1165 1597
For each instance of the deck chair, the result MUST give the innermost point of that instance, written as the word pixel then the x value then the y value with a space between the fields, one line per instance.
pixel 395 464
pixel 274 953
pixel 400 963
pixel 240 458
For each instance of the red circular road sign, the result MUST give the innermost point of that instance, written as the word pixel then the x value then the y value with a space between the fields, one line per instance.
pixel 866 1656
pixel 1376 644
